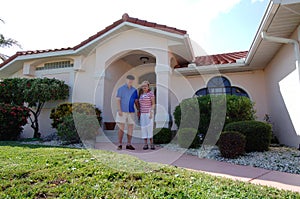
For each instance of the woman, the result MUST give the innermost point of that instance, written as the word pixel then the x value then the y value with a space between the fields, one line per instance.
pixel 147 105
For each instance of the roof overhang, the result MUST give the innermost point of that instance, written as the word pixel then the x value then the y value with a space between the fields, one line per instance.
pixel 193 70
pixel 281 19
pixel 180 45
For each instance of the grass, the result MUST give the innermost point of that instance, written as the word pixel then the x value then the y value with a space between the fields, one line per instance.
pixel 30 171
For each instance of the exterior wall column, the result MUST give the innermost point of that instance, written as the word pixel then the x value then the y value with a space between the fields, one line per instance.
pixel 162 95
pixel 100 82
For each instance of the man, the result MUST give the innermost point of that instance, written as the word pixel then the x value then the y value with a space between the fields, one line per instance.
pixel 127 96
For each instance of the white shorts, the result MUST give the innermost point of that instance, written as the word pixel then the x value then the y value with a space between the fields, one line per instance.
pixel 146 125
pixel 125 118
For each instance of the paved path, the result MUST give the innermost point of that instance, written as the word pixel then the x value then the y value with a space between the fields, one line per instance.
pixel 280 180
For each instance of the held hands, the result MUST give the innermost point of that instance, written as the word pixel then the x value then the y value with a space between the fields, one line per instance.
pixel 151 115
pixel 120 113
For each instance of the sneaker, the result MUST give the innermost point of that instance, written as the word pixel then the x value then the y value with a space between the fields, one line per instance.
pixel 146 147
pixel 152 147
pixel 119 147
pixel 130 147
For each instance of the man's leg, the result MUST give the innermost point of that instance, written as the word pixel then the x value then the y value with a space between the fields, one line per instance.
pixel 121 132
pixel 129 133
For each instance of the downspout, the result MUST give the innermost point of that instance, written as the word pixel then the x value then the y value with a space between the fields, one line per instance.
pixel 286 41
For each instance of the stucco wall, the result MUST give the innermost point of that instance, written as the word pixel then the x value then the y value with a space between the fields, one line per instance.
pixel 283 91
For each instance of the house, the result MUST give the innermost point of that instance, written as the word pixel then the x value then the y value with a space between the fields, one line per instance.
pixel 268 73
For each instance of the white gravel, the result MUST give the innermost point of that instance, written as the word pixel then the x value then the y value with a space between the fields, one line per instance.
pixel 284 159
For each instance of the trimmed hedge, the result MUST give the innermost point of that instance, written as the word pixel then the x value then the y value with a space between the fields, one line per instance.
pixel 162 135
pixel 67 108
pixel 12 120
pixel 258 134
pixel 77 127
pixel 232 144
pixel 197 113
pixel 188 138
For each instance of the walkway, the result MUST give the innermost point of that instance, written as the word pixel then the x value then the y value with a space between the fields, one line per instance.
pixel 280 180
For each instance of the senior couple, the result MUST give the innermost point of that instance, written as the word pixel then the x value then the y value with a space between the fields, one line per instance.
pixel 127 97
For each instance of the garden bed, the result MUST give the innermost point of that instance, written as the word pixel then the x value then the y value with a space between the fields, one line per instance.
pixel 279 158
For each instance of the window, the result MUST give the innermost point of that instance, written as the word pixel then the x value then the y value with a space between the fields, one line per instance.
pixel 56 65
pixel 221 85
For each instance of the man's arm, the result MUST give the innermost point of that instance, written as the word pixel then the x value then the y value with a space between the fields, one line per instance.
pixel 119 106
pixel 137 104
pixel 136 101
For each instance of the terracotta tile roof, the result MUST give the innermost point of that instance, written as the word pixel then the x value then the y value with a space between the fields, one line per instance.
pixel 31 52
pixel 225 58
pixel 125 18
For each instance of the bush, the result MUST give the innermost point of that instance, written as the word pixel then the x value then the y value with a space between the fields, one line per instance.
pixel 197 113
pixel 162 135
pixel 12 120
pixel 232 144
pixel 188 138
pixel 66 109
pixel 76 127
pixel 258 134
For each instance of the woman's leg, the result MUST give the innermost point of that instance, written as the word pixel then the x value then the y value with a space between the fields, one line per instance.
pixel 143 121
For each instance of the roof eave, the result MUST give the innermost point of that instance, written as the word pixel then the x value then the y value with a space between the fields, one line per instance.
pixel 37 56
pixel 266 21
pixel 208 69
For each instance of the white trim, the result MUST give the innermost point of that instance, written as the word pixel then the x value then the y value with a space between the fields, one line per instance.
pixel 266 20
pixel 72 52
pixel 285 2
pixel 162 68
pixel 152 29
pixel 188 43
pixel 208 68
pixel 53 71
pixel 99 38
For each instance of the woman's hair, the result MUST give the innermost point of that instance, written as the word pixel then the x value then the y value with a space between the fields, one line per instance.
pixel 141 89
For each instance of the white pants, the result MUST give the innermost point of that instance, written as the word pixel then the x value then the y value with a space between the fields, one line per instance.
pixel 146 125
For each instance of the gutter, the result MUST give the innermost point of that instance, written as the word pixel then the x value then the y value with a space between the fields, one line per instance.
pixel 286 41
pixel 193 69
pixel 266 21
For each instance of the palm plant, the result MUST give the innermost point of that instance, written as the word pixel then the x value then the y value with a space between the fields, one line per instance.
pixel 6 42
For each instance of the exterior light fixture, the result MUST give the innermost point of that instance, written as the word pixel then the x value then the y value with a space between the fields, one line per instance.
pixel 144 59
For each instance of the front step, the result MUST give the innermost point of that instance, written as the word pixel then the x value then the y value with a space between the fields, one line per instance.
pixel 112 136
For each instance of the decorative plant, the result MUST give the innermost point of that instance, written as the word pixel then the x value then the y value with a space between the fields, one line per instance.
pixel 33 93
pixel 12 120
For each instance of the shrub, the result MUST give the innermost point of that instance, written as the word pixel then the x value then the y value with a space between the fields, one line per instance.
pixel 66 109
pixel 188 138
pixel 76 127
pixel 232 144
pixel 197 113
pixel 162 135
pixel 34 93
pixel 258 134
pixel 12 120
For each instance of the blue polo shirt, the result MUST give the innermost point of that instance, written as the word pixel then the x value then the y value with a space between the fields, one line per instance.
pixel 128 97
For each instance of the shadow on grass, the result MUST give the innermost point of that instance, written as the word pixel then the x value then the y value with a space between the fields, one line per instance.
pixel 33 146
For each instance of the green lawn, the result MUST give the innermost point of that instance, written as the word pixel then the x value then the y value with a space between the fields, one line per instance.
pixel 28 171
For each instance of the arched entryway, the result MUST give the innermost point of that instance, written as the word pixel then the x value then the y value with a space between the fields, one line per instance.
pixel 138 63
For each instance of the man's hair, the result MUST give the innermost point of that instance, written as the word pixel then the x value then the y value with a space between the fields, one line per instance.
pixel 131 77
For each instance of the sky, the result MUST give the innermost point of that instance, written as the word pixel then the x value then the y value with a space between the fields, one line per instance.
pixel 217 26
